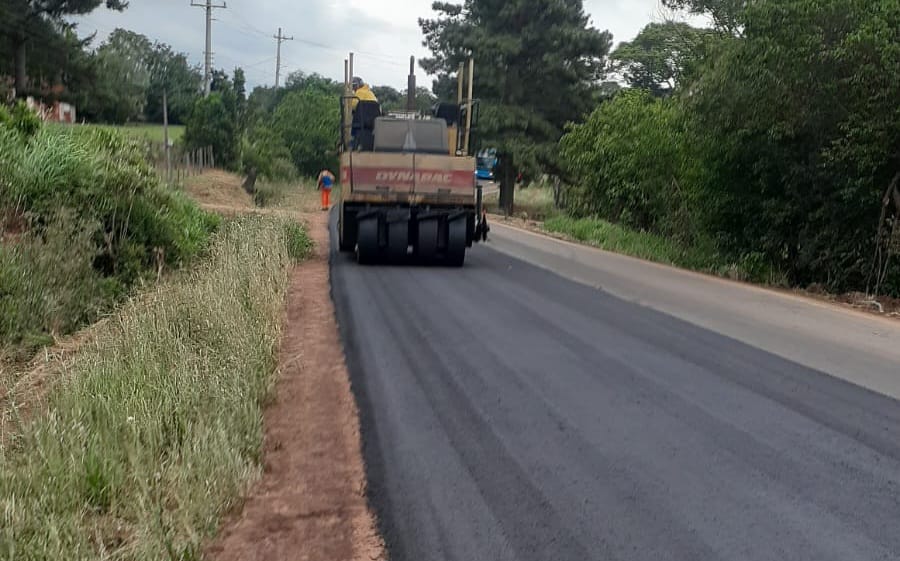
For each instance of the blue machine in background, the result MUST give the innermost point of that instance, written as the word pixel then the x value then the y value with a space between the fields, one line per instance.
pixel 485 163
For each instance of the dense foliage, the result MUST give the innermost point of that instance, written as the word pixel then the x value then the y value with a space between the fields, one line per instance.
pixel 41 24
pixel 309 123
pixel 86 219
pixel 780 143
pixel 122 79
pixel 128 75
pixel 274 134
pixel 538 63
pixel 631 158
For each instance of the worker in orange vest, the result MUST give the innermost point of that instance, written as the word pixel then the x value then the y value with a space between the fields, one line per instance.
pixel 324 184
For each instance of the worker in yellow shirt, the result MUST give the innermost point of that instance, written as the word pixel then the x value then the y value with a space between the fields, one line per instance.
pixel 362 91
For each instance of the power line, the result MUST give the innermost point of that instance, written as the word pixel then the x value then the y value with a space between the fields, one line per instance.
pixel 250 30
pixel 245 22
pixel 207 66
pixel 245 28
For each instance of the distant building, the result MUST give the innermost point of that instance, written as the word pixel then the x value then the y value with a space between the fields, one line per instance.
pixel 58 112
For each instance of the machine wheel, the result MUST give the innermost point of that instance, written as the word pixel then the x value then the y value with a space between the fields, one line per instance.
pixel 367 241
pixel 428 239
pixel 344 244
pixel 398 241
pixel 456 243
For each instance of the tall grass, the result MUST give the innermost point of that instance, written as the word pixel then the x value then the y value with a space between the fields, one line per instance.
pixel 155 429
pixel 48 284
pixel 96 223
pixel 534 202
pixel 702 257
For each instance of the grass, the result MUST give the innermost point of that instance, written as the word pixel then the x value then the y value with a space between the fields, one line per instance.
pixel 91 221
pixel 299 195
pixel 139 131
pixel 531 203
pixel 155 429
pixel 272 193
pixel 50 286
pixel 644 245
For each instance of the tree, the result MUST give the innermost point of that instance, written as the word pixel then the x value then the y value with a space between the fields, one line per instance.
pixel 171 72
pixel 726 14
pixel 802 134
pixel 425 100
pixel 538 64
pixel 309 122
pixel 630 160
pixel 389 98
pixel 122 77
pixel 30 19
pixel 393 100
pixel 217 120
pixel 298 81
pixel 658 59
pixel 212 123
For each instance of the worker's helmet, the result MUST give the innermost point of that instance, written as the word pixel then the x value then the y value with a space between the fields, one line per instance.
pixel 356 83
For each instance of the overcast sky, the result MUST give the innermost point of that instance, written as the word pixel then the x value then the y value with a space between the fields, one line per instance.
pixel 382 33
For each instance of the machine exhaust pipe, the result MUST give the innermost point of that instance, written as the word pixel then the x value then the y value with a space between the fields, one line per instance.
pixel 411 86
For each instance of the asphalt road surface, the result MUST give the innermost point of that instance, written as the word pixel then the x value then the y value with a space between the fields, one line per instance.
pixel 511 413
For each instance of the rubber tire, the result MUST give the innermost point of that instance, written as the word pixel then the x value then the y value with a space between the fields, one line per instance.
pixel 456 243
pixel 367 242
pixel 343 245
pixel 398 241
pixel 428 239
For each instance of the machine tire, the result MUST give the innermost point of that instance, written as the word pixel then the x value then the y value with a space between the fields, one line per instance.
pixel 398 241
pixel 428 239
pixel 367 242
pixel 456 243
pixel 343 245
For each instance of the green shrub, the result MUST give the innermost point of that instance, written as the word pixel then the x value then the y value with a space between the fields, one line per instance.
pixel 297 240
pixel 631 163
pixel 700 256
pixel 48 284
pixel 213 123
pixel 128 224
pixel 21 119
pixel 270 193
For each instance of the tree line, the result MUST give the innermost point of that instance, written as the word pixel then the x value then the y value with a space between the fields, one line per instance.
pixel 773 135
pixel 276 134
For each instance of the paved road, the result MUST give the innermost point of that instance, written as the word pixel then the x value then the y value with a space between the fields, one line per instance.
pixel 512 414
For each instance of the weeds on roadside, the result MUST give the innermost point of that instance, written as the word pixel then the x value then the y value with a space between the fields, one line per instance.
pixel 96 188
pixel 49 284
pixel 156 428
pixel 297 241
pixel 644 245
pixel 534 202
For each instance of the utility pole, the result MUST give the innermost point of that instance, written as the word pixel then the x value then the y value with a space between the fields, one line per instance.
pixel 166 137
pixel 281 39
pixel 207 67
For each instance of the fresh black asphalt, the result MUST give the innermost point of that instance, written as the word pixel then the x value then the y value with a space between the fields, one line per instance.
pixel 510 414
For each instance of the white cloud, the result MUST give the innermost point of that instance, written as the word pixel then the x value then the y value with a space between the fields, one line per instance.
pixel 382 33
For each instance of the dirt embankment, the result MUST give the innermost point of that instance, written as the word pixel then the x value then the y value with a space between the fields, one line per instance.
pixel 311 501
pixel 217 189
